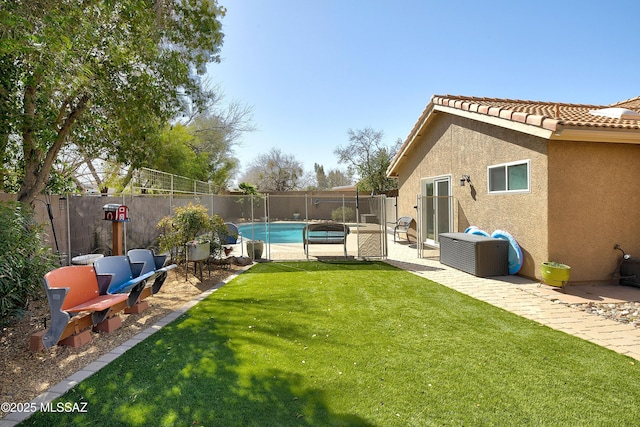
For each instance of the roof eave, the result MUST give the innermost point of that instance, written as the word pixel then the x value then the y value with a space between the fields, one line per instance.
pixel 421 123
pixel 596 134
pixel 540 126
pixel 537 125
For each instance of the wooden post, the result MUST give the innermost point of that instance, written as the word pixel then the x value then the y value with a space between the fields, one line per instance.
pixel 117 230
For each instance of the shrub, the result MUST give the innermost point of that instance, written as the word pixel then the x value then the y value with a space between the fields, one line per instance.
pixel 345 213
pixel 23 259
pixel 189 223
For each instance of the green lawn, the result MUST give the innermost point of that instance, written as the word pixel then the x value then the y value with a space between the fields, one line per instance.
pixel 351 343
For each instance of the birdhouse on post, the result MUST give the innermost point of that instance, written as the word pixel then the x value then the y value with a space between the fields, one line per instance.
pixel 118 215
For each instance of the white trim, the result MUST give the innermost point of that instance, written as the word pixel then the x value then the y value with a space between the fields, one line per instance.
pixel 506 166
pixel 433 179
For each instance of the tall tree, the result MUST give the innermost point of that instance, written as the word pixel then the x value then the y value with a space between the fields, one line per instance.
pixel 103 75
pixel 216 133
pixel 321 177
pixel 338 178
pixel 369 158
pixel 274 171
pixel 335 178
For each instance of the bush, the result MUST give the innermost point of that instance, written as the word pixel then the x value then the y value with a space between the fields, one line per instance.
pixel 189 223
pixel 345 213
pixel 23 260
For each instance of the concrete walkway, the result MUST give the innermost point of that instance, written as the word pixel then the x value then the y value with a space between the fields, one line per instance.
pixel 524 297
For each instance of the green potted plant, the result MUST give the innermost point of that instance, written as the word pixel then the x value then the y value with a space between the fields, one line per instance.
pixel 555 273
pixel 189 227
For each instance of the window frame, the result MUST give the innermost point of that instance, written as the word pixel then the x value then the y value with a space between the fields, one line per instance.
pixel 506 166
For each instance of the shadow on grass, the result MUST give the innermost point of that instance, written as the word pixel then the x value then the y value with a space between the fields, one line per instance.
pixel 198 371
pixel 324 348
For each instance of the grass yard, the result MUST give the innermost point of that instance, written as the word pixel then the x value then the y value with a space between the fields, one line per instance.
pixel 355 343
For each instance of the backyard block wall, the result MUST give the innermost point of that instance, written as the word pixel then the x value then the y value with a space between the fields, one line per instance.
pixel 81 229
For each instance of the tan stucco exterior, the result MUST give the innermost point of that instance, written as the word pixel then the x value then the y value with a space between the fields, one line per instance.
pixel 594 203
pixel 582 199
pixel 458 146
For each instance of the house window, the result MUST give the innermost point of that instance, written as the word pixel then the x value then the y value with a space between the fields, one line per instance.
pixel 509 177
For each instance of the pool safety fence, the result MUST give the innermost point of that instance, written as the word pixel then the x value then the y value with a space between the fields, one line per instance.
pixel 79 226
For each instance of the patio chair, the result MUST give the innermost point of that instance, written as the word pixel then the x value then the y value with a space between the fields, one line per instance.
pixel 232 237
pixel 402 226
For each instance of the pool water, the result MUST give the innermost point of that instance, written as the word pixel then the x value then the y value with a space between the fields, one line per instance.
pixel 279 232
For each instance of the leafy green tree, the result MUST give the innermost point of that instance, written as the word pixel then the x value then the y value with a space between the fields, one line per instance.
pixel 103 75
pixel 216 133
pixel 369 158
pixel 247 188
pixel 176 156
pixel 8 80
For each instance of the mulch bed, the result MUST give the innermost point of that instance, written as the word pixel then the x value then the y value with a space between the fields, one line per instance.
pixel 26 374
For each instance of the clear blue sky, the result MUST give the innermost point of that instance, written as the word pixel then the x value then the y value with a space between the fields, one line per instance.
pixel 312 69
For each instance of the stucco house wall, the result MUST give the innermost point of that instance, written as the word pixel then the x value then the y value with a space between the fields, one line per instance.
pixel 584 169
pixel 594 203
pixel 459 146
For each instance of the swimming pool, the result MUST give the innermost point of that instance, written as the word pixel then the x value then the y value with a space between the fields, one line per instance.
pixel 279 232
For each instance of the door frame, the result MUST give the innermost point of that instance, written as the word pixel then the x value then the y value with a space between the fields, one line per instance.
pixel 431 218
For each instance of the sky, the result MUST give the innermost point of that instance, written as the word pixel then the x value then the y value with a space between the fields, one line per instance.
pixel 313 69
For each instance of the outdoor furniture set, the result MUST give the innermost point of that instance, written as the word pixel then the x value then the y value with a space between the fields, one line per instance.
pixel 91 296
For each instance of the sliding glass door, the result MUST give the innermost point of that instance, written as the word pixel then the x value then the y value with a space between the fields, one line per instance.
pixel 436 208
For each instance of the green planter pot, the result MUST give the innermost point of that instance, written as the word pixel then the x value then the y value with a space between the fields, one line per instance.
pixel 255 249
pixel 555 274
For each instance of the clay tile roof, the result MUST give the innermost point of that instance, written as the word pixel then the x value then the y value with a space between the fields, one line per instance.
pixel 551 116
pixel 547 115
pixel 632 104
